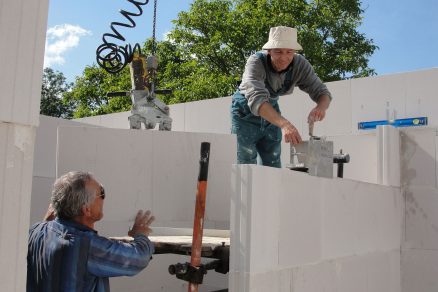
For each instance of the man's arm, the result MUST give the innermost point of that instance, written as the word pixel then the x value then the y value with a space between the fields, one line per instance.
pixel 290 133
pixel 253 84
pixel 311 84
pixel 318 112
pixel 308 81
pixel 111 258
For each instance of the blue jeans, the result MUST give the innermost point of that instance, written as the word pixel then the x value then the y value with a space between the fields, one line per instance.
pixel 254 134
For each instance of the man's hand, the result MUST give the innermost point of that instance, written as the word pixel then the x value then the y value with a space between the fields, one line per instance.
pixel 50 214
pixel 315 115
pixel 318 113
pixel 141 223
pixel 290 133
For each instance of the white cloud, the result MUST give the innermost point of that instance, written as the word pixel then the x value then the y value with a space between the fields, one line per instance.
pixel 59 40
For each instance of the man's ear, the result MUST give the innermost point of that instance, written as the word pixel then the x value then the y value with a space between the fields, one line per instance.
pixel 86 211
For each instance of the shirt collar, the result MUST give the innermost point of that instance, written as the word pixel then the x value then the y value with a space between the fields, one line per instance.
pixel 74 224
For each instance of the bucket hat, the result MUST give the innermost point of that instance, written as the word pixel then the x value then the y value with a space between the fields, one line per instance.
pixel 282 37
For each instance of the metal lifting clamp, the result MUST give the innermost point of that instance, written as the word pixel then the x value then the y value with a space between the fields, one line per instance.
pixel 146 107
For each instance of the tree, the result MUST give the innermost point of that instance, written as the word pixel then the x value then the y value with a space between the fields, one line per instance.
pixel 53 87
pixel 205 54
pixel 188 81
pixel 219 35
pixel 89 92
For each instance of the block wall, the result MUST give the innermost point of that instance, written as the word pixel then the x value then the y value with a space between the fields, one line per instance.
pixel 419 254
pixel 364 99
pixel 294 232
pixel 22 35
pixel 44 167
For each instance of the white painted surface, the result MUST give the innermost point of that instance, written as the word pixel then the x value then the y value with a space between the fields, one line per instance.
pixel 421 231
pixel 378 98
pixel 44 168
pixel 22 35
pixel 40 198
pixel 16 158
pixel 419 251
pixel 419 270
pixel 374 272
pixel 151 169
pixel 177 113
pixel 362 149
pixel 283 220
pixel 388 155
pixel 421 90
pixel 418 161
pixel 208 116
pixel 45 145
pixel 339 115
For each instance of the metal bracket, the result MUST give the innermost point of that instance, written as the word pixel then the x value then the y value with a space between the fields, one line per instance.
pixel 149 110
pixel 188 272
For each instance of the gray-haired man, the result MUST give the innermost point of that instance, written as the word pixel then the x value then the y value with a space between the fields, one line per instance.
pixel 255 114
pixel 66 254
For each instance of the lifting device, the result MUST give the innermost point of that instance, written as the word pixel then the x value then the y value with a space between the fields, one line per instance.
pixel 147 109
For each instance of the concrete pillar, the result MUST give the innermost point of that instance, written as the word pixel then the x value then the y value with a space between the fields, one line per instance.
pixel 22 38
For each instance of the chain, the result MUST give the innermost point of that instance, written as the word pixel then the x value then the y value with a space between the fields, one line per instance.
pixel 153 28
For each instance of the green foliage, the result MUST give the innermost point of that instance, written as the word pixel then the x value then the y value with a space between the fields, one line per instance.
pixel 205 54
pixel 188 80
pixel 53 87
pixel 223 33
pixel 90 90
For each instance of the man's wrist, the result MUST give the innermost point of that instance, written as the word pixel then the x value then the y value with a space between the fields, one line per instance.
pixel 324 102
pixel 283 123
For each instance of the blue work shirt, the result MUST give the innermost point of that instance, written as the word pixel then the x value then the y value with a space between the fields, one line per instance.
pixel 68 256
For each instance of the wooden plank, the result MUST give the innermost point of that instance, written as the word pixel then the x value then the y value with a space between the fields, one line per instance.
pixel 182 244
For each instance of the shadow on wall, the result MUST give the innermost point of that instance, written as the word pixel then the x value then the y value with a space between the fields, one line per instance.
pixel 418 170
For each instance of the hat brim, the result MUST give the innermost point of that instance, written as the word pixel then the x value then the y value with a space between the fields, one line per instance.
pixel 282 45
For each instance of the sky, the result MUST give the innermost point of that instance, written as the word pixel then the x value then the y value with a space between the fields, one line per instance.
pixel 406 32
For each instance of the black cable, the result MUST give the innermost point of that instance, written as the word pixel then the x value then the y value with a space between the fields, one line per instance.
pixel 112 57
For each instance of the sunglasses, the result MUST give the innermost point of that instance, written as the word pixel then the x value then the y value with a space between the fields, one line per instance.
pixel 102 193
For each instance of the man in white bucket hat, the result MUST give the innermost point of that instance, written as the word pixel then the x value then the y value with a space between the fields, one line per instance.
pixel 255 114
